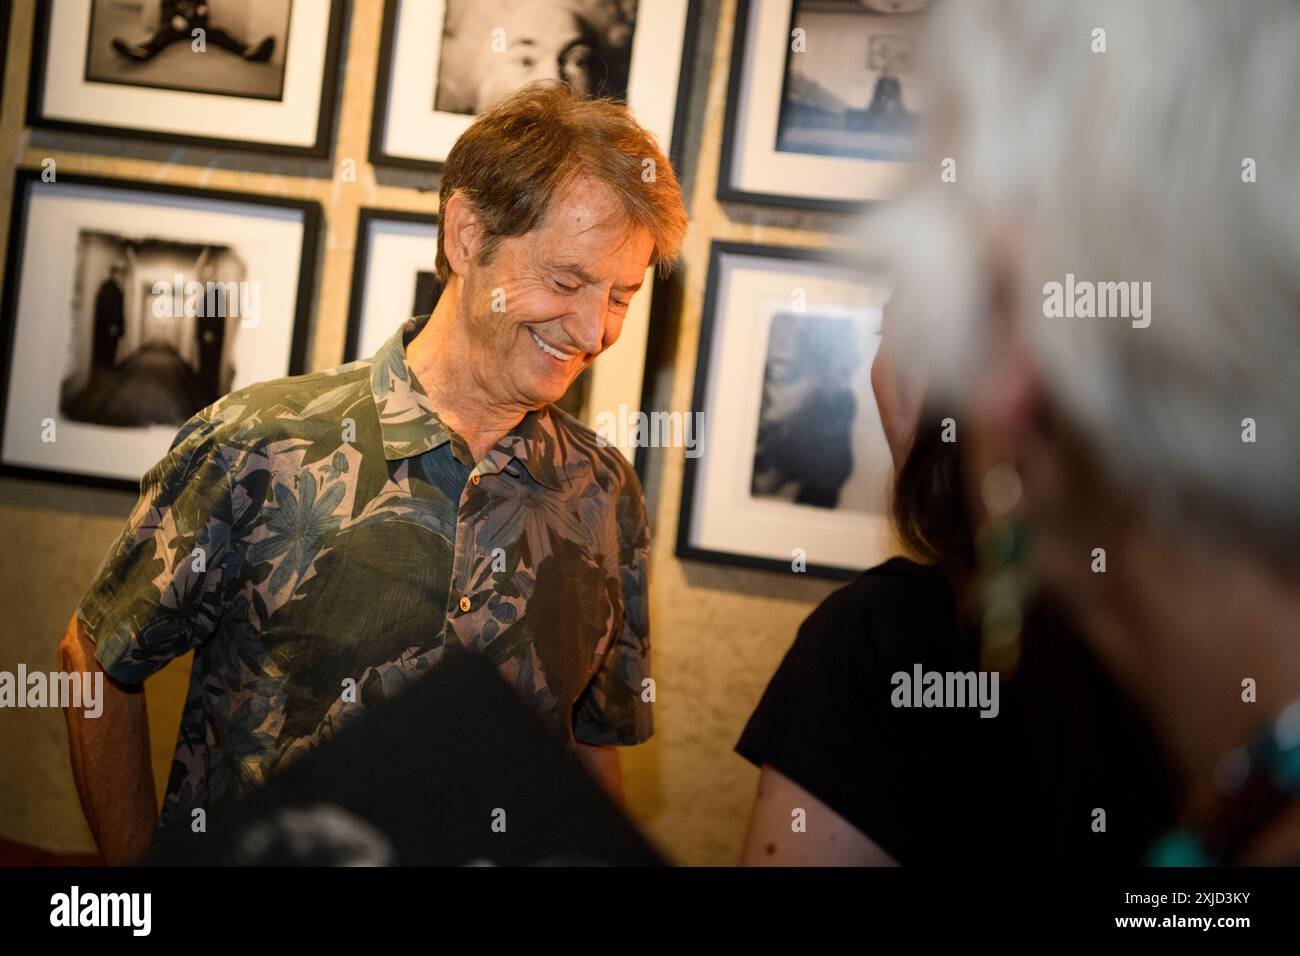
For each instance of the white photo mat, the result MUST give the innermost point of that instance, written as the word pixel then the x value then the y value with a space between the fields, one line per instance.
pixel 56 215
pixel 396 251
pixel 757 166
pixel 413 130
pixel 291 121
pixel 725 516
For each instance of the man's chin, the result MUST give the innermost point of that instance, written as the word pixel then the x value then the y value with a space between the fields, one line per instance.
pixel 548 393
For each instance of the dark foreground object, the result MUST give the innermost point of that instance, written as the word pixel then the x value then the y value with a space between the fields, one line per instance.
pixel 422 781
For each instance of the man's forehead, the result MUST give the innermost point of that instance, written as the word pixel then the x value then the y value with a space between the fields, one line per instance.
pixel 584 203
pixel 587 218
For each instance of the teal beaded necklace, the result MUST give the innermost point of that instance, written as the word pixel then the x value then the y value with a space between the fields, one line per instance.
pixel 1255 782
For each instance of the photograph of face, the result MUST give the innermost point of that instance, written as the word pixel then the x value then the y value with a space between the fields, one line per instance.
pixel 492 47
pixel 794 454
pixel 849 87
pixel 226 47
pixel 806 451
pixel 144 349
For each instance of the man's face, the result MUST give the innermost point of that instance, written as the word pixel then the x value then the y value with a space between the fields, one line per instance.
pixel 553 299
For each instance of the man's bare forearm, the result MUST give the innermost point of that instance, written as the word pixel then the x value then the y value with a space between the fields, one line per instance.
pixel 111 764
pixel 602 763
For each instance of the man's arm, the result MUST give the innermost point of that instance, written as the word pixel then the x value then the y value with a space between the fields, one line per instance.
pixel 110 759
pixel 601 762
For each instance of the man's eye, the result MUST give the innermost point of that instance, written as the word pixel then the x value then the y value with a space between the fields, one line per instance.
pixel 566 288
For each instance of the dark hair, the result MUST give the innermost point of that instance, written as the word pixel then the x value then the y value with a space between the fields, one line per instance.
pixel 1083 732
pixel 929 504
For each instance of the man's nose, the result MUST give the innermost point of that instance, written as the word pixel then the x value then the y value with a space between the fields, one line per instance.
pixel 585 325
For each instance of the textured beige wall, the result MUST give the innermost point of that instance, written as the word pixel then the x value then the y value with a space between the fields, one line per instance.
pixel 718 632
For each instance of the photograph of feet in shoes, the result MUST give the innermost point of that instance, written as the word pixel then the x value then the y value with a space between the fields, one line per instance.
pixel 233 47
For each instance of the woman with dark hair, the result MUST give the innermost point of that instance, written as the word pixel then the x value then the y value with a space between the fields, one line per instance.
pixel 859 767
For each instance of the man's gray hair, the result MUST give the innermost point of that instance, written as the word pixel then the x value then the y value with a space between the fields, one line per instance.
pixel 1132 164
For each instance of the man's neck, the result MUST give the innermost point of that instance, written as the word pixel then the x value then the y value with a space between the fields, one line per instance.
pixel 454 374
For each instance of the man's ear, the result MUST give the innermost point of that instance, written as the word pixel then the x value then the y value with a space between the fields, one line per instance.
pixel 462 233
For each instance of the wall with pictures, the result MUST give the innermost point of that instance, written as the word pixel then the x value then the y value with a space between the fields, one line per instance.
pixel 718 631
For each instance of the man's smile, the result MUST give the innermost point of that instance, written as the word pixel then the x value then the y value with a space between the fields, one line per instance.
pixel 551 350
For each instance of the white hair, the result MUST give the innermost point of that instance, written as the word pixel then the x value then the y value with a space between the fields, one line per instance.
pixel 1128 164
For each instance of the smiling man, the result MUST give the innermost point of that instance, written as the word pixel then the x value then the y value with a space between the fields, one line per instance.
pixel 320 540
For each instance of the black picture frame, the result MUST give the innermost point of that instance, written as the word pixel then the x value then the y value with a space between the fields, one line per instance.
pixel 313 218
pixel 690 44
pixel 384 68
pixel 379 114
pixel 727 190
pixel 684 549
pixel 325 117
pixel 360 262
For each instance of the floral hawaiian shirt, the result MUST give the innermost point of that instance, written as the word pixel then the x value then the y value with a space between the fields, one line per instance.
pixel 319 540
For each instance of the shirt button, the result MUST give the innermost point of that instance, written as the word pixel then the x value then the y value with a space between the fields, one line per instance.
pixel 473 479
pixel 464 603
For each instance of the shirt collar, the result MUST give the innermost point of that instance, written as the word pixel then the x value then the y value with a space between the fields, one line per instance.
pixel 411 426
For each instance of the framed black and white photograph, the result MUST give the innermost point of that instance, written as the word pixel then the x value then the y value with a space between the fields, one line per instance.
pixel 392 276
pixel 442 62
pixel 393 279
pixel 824 102
pixel 252 74
pixel 791 467
pixel 129 307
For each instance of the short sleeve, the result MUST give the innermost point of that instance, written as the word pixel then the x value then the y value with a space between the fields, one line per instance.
pixel 613 708
pixel 824 722
pixel 157 593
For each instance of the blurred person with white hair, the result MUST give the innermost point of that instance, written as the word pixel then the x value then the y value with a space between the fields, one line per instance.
pixel 1111 287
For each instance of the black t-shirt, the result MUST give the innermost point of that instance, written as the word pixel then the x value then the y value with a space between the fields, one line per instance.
pixel 943 784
